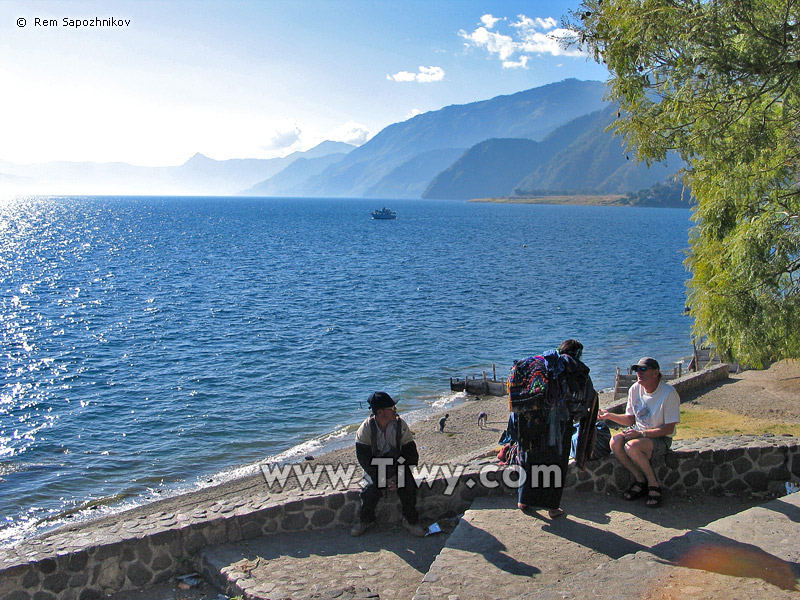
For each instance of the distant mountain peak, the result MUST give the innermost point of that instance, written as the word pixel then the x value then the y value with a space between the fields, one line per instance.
pixel 198 159
pixel 327 147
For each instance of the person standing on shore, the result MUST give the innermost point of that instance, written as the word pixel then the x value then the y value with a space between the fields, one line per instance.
pixel 442 422
pixel 547 394
pixel 652 412
pixel 385 449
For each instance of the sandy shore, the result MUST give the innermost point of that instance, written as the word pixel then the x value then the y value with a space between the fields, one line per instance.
pixel 462 438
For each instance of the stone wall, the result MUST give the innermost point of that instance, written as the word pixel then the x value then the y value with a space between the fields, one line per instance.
pixel 735 464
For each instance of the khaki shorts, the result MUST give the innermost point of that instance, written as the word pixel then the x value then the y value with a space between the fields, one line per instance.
pixel 661 445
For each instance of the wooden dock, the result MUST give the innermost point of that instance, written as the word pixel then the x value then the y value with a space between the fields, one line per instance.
pixel 480 385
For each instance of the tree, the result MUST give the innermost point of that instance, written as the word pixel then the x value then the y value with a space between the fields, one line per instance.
pixel 719 82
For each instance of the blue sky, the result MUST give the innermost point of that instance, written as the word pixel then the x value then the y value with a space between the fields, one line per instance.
pixel 240 79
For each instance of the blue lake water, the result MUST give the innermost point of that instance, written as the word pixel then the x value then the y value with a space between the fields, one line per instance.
pixel 149 344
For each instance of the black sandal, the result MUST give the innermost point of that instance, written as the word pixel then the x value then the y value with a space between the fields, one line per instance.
pixel 637 490
pixel 653 496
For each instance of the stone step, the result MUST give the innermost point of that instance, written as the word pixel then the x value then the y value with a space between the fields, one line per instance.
pixel 498 552
pixel 386 563
pixel 750 555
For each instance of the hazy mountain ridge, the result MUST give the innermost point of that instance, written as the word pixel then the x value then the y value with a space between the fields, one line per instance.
pixel 596 160
pixel 410 179
pixel 488 169
pixel 579 157
pixel 199 175
pixel 529 114
pixel 289 181
pixel 550 138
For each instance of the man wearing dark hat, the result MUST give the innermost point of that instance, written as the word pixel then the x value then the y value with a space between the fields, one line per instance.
pixel 650 418
pixel 385 449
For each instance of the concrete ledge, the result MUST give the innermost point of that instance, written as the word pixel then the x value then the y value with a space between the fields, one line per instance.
pixel 89 562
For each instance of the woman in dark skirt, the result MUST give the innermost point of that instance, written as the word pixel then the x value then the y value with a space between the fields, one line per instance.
pixel 547 395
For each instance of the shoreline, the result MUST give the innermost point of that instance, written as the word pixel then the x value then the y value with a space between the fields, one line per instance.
pixel 560 199
pixel 462 438
pixel 461 441
pixel 618 200
pixel 335 447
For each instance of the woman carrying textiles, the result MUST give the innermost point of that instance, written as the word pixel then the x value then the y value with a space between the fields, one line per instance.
pixel 547 394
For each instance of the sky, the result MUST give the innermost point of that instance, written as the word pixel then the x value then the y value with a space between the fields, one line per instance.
pixel 256 79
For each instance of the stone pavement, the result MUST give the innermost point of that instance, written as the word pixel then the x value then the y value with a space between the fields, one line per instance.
pixel 498 552
pixel 751 555
pixel 494 552
pixel 313 564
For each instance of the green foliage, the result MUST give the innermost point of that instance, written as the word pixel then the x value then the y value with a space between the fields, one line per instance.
pixel 718 81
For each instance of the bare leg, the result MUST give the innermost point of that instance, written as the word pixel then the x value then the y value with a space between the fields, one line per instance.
pixel 619 449
pixel 639 452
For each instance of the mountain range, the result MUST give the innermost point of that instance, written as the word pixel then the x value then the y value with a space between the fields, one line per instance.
pixel 580 157
pixel 550 138
pixel 200 175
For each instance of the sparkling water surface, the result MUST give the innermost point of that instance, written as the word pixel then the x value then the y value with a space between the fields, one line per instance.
pixel 149 344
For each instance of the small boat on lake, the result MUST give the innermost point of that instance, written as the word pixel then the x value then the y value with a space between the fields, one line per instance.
pixel 384 213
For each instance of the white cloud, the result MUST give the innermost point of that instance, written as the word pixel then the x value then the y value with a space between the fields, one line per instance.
pixel 284 139
pixel 412 113
pixel 527 37
pixel 521 63
pixel 494 43
pixel 528 23
pixel 350 132
pixel 543 36
pixel 402 76
pixel 425 75
pixel 490 21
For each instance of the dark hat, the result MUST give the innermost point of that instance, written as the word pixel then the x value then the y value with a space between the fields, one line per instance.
pixel 646 361
pixel 379 400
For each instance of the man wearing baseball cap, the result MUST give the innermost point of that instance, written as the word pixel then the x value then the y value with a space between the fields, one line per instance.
pixel 652 412
pixel 385 449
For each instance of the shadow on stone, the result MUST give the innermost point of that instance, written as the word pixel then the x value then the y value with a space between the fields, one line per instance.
pixel 604 542
pixel 493 550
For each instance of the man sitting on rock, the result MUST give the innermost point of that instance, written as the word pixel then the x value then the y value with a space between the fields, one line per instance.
pixel 650 417
pixel 385 449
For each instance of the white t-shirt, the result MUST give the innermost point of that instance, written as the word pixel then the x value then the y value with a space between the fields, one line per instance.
pixel 661 407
